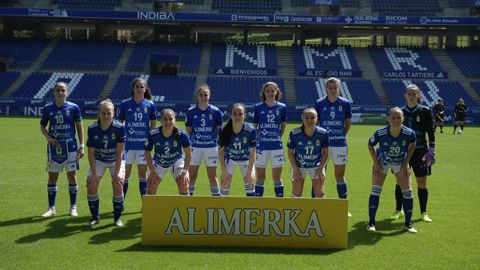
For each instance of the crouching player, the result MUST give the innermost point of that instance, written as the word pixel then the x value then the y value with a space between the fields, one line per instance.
pixel 237 147
pixel 308 153
pixel 396 146
pixel 106 138
pixel 168 141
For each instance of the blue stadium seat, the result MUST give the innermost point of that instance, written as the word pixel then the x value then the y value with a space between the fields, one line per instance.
pixel 24 51
pixel 164 88
pixel 450 91
pixel 84 55
pixel 230 89
pixel 6 80
pixel 247 6
pixel 467 60
pixel 359 92
pixel 406 7
pixel 88 4
pixel 81 86
pixel 243 57
pixel 189 55
pixel 392 59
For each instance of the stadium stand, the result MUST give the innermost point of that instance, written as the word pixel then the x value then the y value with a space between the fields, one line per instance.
pixel 343 3
pixel 322 58
pixel 6 80
pixel 476 86
pixel 467 60
pixel 225 57
pixel 88 4
pixel 388 59
pixel 164 88
pixel 23 51
pixel 450 91
pixel 247 6
pixel 406 7
pixel 189 55
pixel 240 89
pixel 458 4
pixel 81 86
pixel 84 55
pixel 358 92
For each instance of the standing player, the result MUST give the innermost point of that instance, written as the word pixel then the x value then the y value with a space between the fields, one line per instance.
pixel 139 115
pixel 335 115
pixel 418 118
pixel 237 147
pixel 168 141
pixel 439 113
pixel 459 115
pixel 396 146
pixel 308 153
pixel 270 117
pixel 63 119
pixel 203 124
pixel 106 138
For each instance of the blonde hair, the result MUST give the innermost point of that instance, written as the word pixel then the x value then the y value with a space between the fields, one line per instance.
pixel 332 80
pixel 105 103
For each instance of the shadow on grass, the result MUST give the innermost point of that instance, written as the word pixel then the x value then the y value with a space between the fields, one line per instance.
pixel 131 230
pixel 60 226
pixel 359 236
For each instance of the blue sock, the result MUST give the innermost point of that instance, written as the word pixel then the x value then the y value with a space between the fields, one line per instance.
pixel 73 190
pixel 373 202
pixel 313 192
pixel 142 186
pixel 278 188
pixel 259 188
pixel 250 190
pixel 191 190
pixel 224 192
pixel 407 205
pixel 215 191
pixel 93 204
pixel 117 206
pixel 342 189
pixel 125 188
pixel 52 194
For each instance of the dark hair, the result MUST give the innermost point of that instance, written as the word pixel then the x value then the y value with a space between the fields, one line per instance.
pixel 148 92
pixel 278 96
pixel 175 131
pixel 227 130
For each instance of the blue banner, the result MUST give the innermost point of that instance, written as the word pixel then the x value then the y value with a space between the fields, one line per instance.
pixel 245 71
pixel 330 73
pixel 415 74
pixel 241 18
pixel 325 2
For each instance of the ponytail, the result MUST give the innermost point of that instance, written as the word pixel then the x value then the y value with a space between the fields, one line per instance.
pixel 226 134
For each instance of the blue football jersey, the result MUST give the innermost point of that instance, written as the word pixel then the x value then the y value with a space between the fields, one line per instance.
pixel 105 141
pixel 307 150
pixel 62 122
pixel 392 150
pixel 269 120
pixel 167 150
pixel 204 125
pixel 137 119
pixel 238 148
pixel 332 116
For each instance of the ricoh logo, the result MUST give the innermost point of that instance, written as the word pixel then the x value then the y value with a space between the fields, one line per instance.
pixel 159 16
pixel 244 222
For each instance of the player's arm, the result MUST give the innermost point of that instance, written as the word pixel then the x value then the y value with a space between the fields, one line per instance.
pixel 296 171
pixel 118 158
pixel 283 125
pixel 153 123
pixel 348 124
pixel 91 160
pixel 221 158
pixel 81 150
pixel 47 136
pixel 184 177
pixel 319 172
pixel 251 161
pixel 429 129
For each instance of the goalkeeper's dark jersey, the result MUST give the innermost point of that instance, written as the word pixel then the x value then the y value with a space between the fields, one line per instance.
pixel 420 120
pixel 439 111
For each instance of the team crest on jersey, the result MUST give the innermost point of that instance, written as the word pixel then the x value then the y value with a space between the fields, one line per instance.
pixel 145 110
pixel 317 143
pixel 113 136
pixel 210 116
pixel 244 139
pixel 67 113
pixel 404 143
pixel 277 112
pixel 175 143
pixel 418 118
pixel 340 108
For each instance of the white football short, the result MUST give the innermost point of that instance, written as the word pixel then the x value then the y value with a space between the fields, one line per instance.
pixel 175 169
pixel 243 165
pixel 339 155
pixel 307 171
pixel 101 167
pixel 210 155
pixel 276 157
pixel 70 165
pixel 135 156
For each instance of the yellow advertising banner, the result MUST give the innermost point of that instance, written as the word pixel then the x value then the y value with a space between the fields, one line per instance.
pixel 243 221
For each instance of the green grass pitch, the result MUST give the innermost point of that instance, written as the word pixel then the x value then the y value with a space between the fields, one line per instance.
pixel 28 241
